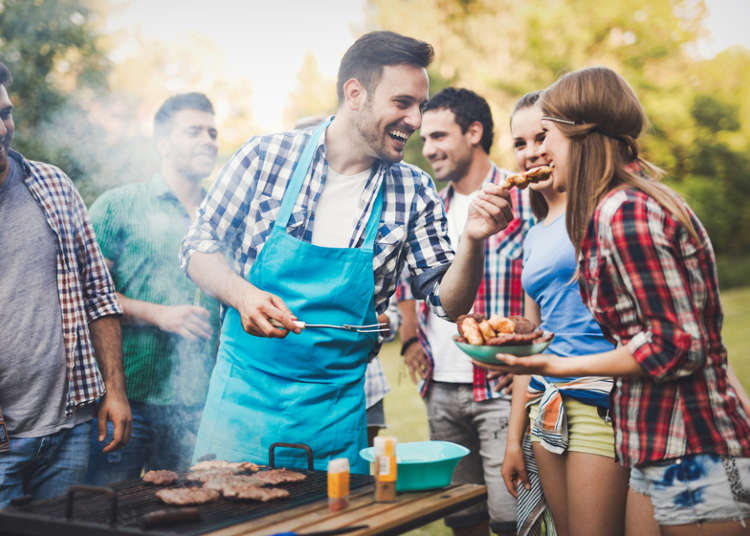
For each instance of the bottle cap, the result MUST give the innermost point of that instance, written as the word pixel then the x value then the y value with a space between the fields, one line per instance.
pixel 338 465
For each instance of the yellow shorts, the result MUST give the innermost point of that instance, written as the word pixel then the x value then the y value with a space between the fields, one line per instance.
pixel 587 431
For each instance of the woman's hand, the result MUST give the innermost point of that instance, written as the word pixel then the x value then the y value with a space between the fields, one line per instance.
pixel 532 364
pixel 514 469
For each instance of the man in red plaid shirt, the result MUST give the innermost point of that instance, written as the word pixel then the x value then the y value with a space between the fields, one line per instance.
pixel 463 405
pixel 59 328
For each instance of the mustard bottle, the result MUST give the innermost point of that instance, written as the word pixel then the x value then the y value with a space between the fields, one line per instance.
pixel 386 468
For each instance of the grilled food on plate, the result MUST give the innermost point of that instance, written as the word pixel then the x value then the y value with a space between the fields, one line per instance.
pixel 498 331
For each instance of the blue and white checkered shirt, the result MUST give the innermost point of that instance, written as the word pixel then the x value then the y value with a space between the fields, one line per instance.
pixel 237 214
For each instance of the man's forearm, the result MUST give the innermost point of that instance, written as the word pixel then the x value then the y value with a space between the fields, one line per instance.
pixel 458 288
pixel 107 341
pixel 212 273
pixel 139 312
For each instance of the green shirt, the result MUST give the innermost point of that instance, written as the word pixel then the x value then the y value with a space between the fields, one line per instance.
pixel 139 228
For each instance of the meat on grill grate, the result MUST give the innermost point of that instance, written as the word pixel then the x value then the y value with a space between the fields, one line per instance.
pixel 218 482
pixel 277 476
pixel 255 493
pixel 221 465
pixel 160 478
pixel 187 496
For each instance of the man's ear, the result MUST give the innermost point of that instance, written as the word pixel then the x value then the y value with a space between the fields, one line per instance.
pixel 355 94
pixel 475 131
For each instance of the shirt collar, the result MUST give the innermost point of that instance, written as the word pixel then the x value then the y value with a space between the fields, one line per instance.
pixel 492 174
pixel 21 160
pixel 161 189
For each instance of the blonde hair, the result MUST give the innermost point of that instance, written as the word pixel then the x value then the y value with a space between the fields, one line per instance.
pixel 608 119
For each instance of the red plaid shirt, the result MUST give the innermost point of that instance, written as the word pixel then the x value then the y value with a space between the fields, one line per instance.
pixel 500 291
pixel 652 287
pixel 83 282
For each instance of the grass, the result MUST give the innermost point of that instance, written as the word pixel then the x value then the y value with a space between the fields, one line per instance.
pixel 405 411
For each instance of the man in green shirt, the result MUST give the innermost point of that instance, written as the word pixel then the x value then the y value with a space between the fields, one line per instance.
pixel 169 326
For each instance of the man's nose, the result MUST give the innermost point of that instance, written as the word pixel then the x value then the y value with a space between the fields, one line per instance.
pixel 414 118
pixel 427 149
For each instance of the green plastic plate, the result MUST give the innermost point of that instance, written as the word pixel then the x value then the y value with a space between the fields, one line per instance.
pixel 486 354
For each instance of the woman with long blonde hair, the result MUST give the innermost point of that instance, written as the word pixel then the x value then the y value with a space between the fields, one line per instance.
pixel 647 273
pixel 584 488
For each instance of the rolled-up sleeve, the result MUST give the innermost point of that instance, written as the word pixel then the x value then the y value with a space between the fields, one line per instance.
pixel 429 252
pixel 643 292
pixel 98 290
pixel 222 214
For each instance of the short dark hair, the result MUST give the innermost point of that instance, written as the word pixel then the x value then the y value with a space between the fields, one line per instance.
pixel 368 55
pixel 5 78
pixel 468 107
pixel 176 103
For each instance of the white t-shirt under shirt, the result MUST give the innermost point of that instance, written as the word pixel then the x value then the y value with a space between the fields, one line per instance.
pixel 337 209
pixel 451 364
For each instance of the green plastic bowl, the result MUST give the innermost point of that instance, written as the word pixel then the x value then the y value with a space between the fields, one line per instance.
pixel 423 464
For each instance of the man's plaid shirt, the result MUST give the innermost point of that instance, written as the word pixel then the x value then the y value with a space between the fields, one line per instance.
pixel 500 291
pixel 242 205
pixel 84 286
pixel 654 288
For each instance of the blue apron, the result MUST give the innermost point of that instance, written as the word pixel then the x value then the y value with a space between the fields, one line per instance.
pixel 306 388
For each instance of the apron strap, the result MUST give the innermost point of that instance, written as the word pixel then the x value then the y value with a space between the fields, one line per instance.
pixel 298 176
pixel 372 224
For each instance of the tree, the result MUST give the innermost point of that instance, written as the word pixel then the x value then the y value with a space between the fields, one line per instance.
pixel 314 95
pixel 699 109
pixel 53 49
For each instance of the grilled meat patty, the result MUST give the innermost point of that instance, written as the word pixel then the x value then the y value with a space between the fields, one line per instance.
pixel 277 476
pixel 160 477
pixel 186 496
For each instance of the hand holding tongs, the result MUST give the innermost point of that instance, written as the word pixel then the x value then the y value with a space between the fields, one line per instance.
pixel 380 327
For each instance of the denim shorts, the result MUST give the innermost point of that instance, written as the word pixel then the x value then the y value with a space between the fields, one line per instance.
pixel 697 488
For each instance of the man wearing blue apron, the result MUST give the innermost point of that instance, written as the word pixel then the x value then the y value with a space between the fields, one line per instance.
pixel 319 224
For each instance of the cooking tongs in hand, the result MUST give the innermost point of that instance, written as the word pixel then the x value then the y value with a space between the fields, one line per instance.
pixel 363 328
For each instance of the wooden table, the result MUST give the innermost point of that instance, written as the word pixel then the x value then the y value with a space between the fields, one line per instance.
pixel 411 510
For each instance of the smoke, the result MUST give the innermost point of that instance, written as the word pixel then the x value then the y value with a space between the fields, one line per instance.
pixel 102 141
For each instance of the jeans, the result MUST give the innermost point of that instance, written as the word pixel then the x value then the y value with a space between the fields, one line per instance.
pixel 45 466
pixel 162 437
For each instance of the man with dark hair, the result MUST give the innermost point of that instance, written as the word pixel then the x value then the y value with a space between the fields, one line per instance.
pixel 463 406
pixel 59 328
pixel 319 224
pixel 170 328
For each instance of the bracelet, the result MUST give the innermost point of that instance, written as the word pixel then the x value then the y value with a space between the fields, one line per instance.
pixel 409 342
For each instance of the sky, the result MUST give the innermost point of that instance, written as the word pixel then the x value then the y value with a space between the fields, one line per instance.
pixel 265 41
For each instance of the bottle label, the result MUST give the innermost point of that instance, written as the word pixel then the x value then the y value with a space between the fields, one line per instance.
pixel 338 485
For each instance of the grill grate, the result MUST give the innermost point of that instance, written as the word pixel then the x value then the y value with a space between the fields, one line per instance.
pixel 136 498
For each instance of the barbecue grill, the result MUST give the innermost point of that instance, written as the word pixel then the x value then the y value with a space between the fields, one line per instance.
pixel 123 508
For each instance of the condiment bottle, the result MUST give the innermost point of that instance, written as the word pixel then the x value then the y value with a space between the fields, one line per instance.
pixel 385 469
pixel 338 484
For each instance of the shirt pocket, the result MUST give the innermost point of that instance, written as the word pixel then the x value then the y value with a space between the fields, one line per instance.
pixel 265 218
pixel 509 241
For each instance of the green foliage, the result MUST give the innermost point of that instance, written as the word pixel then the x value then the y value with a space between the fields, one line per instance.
pixel 51 48
pixel 699 109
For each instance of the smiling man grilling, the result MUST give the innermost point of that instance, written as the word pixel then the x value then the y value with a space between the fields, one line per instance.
pixel 319 224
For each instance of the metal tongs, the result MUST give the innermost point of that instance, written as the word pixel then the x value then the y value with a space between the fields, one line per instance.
pixel 363 328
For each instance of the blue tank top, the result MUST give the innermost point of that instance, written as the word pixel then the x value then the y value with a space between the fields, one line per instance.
pixel 548 266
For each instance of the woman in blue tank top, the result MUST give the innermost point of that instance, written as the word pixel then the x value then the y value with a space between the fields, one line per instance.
pixel 584 488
